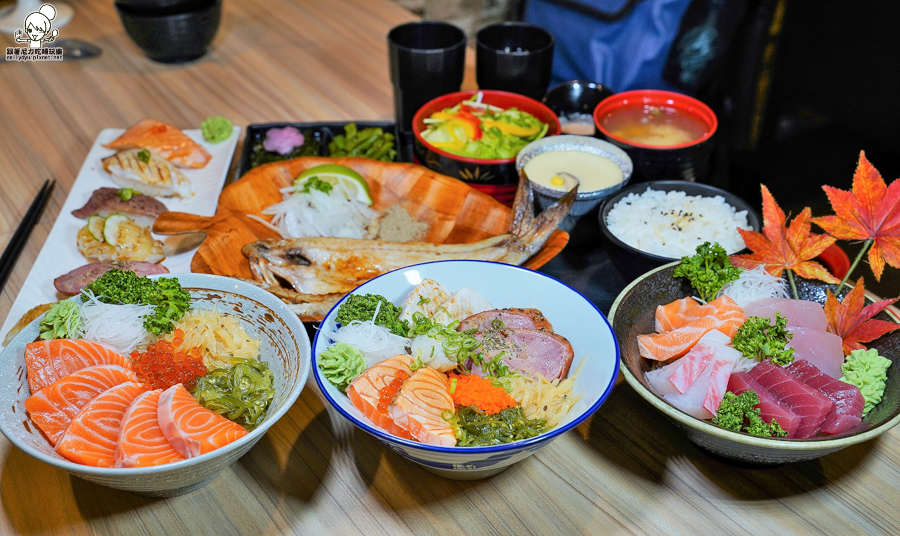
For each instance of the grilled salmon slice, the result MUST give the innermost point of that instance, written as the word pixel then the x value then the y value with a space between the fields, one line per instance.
pixel 91 437
pixel 191 429
pixel 164 140
pixel 48 361
pixel 141 442
pixel 54 407
pixel 366 389
pixel 419 407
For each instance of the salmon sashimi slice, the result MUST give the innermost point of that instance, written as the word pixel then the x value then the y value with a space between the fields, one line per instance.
pixel 366 389
pixel 676 343
pixel 91 437
pixel 419 407
pixel 667 314
pixel 48 361
pixel 164 140
pixel 141 442
pixel 722 307
pixel 191 429
pixel 54 407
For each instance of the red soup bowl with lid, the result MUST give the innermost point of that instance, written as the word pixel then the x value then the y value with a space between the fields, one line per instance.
pixel 497 177
pixel 668 135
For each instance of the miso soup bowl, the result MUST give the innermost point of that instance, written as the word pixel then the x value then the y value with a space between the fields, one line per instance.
pixel 686 161
pixel 573 316
pixel 284 347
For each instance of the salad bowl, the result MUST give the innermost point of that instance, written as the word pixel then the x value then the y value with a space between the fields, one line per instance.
pixel 503 285
pixel 285 348
pixel 497 177
pixel 633 313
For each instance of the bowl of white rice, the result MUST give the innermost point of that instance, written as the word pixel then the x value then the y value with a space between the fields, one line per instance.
pixel 646 225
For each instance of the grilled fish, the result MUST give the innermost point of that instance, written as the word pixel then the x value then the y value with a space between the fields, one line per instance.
pixel 157 176
pixel 323 265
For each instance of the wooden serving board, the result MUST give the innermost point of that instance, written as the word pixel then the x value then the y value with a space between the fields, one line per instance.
pixel 455 212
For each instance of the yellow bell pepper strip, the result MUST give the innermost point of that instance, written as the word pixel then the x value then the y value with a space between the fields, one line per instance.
pixel 514 130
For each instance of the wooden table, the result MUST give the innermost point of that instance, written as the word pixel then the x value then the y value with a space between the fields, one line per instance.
pixel 624 471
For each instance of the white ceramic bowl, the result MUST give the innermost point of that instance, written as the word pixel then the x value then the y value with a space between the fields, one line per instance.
pixel 573 316
pixel 285 347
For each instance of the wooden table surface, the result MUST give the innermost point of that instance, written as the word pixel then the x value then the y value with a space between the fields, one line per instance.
pixel 624 471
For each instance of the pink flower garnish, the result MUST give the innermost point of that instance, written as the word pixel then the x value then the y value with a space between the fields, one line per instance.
pixel 282 140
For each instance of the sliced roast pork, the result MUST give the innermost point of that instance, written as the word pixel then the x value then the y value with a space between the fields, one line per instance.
pixel 823 349
pixel 848 400
pixel 530 351
pixel 74 282
pixel 141 208
pixel 512 318
pixel 799 313
pixel 811 405
pixel 769 407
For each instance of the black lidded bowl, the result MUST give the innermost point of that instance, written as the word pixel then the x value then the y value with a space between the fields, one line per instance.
pixel 576 97
pixel 632 262
pixel 169 37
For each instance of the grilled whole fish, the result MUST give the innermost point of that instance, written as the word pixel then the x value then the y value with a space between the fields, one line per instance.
pixel 324 265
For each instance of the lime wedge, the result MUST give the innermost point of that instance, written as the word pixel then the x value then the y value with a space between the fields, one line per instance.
pixel 335 174
pixel 95 227
pixel 111 228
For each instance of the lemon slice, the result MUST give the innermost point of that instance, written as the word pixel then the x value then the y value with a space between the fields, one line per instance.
pixel 111 228
pixel 95 227
pixel 352 182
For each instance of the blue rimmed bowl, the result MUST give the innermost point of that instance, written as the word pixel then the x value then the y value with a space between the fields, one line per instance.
pixel 573 316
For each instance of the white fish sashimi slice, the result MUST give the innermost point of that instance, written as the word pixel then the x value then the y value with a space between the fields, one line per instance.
pixel 799 313
pixel 712 381
pixel 718 383
pixel 691 366
pixel 465 303
pixel 426 298
pixel 659 379
pixel 823 349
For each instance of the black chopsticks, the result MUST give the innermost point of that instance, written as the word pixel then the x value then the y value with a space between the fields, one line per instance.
pixel 20 238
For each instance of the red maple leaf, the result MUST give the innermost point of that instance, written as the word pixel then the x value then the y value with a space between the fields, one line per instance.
pixel 780 247
pixel 871 211
pixel 850 321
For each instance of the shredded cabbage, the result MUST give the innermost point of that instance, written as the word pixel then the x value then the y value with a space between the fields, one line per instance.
pixel 374 342
pixel 120 326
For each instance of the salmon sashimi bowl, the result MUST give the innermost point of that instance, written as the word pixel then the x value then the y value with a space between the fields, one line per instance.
pixel 152 376
pixel 465 366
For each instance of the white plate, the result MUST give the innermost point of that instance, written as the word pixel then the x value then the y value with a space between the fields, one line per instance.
pixel 60 253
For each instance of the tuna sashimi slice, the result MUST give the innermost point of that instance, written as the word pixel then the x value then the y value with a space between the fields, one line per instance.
pixel 823 349
pixel 423 399
pixel 799 313
pixel 671 315
pixel 848 400
pixel 365 391
pixel 691 366
pixel 676 343
pixel 811 405
pixel 191 429
pixel 54 407
pixel 92 435
pixel 48 361
pixel 712 381
pixel 141 442
pixel 769 407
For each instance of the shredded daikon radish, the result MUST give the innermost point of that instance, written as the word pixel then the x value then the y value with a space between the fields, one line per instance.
pixel 753 285
pixel 374 342
pixel 316 213
pixel 120 326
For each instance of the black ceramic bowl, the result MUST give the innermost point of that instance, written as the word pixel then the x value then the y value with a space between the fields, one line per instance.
pixel 173 38
pixel 497 178
pixel 633 313
pixel 162 7
pixel 576 97
pixel 632 262
pixel 683 161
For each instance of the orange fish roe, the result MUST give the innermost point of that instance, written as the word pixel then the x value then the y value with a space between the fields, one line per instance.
pixel 472 390
pixel 386 395
pixel 162 366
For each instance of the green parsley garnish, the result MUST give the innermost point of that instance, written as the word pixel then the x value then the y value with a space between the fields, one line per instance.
pixel 736 410
pixel 758 340
pixel 709 270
